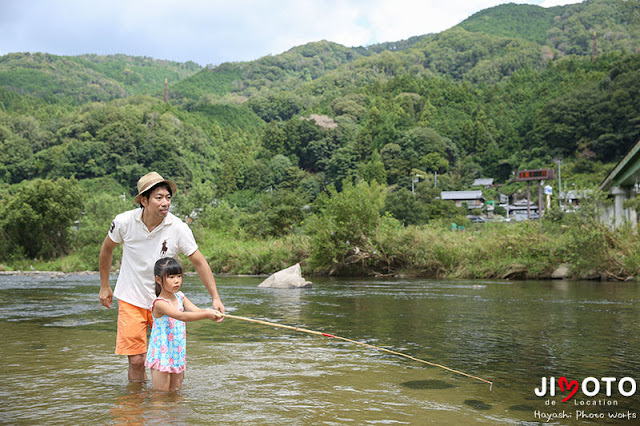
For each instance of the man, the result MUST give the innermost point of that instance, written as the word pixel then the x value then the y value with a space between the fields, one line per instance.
pixel 147 234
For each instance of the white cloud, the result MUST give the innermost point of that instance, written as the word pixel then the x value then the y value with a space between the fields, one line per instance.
pixel 215 31
pixel 401 19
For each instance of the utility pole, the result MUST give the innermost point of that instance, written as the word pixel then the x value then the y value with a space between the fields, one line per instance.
pixel 414 180
pixel 528 202
pixel 540 182
pixel 559 162
pixel 166 90
pixel 594 55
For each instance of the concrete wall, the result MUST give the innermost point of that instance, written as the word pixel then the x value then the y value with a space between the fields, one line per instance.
pixel 616 215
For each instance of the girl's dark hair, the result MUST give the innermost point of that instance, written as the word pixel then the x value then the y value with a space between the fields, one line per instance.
pixel 165 267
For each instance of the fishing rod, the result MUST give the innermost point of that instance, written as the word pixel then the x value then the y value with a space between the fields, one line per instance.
pixel 355 342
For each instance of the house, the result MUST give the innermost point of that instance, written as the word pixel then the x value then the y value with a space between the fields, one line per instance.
pixel 518 210
pixel 571 199
pixel 473 199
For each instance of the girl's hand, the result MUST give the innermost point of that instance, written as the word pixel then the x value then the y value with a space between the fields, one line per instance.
pixel 213 315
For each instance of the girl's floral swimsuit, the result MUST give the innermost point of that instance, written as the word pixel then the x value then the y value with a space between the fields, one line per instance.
pixel 168 342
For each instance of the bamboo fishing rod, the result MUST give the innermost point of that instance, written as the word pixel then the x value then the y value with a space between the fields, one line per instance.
pixel 355 342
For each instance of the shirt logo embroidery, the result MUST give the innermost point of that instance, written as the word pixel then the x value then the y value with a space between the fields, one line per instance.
pixel 164 248
pixel 113 226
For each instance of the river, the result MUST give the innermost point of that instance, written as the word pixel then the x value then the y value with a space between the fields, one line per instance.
pixel 59 366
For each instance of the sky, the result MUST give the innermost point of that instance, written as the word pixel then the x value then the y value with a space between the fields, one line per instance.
pixel 210 32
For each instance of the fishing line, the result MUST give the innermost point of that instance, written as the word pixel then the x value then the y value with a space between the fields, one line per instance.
pixel 355 342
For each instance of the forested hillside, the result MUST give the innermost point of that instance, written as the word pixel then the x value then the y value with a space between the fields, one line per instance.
pixel 87 78
pixel 261 148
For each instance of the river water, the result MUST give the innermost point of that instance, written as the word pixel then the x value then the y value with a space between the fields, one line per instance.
pixel 58 365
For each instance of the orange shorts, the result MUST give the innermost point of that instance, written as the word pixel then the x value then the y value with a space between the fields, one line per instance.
pixel 133 323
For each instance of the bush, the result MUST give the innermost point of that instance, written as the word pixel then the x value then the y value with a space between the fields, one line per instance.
pixel 347 223
pixel 99 211
pixel 250 256
pixel 276 215
pixel 36 220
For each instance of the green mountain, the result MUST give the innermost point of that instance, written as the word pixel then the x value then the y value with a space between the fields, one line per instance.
pixel 527 22
pixel 285 71
pixel 87 78
pixel 512 86
pixel 567 29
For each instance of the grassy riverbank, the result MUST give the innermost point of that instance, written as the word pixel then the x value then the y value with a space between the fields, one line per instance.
pixel 497 250
pixel 491 250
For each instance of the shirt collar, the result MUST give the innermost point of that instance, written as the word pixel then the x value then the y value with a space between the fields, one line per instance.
pixel 166 221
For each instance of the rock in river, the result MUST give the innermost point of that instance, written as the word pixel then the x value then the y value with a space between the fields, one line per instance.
pixel 287 278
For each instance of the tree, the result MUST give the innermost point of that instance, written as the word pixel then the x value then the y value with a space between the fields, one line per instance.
pixel 280 106
pixel 37 218
pixel 300 137
pixel 16 158
pixel 275 215
pixel 273 138
pixel 373 169
pixel 341 166
pixel 434 162
pixel 348 220
pixel 395 162
pixel 279 166
pixel 421 141
pixel 404 206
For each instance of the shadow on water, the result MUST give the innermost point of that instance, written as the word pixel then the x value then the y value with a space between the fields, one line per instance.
pixel 427 384
pixel 477 405
pixel 522 407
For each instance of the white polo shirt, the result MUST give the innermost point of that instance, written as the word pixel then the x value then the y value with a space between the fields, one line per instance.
pixel 141 249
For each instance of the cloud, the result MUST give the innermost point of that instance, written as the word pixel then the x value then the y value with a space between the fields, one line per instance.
pixel 215 31
pixel 401 19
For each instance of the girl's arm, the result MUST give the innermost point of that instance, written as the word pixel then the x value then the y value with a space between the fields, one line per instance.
pixel 189 306
pixel 162 307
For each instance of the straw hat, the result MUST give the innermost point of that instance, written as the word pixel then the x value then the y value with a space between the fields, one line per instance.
pixel 148 181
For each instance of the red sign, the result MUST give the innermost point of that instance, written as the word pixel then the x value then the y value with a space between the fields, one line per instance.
pixel 538 174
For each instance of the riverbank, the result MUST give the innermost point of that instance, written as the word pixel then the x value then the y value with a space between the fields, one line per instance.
pixel 484 251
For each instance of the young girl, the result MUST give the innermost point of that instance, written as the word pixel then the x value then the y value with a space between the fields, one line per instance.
pixel 166 355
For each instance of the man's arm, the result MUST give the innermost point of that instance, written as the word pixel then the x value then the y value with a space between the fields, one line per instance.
pixel 206 276
pixel 105 260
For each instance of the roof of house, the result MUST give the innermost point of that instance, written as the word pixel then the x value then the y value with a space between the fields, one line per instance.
pixel 575 194
pixel 522 205
pixel 461 195
pixel 483 182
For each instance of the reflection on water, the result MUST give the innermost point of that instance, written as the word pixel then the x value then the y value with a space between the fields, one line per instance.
pixel 139 405
pixel 59 367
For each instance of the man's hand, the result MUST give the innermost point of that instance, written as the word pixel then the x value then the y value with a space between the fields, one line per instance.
pixel 106 256
pixel 106 296
pixel 218 306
